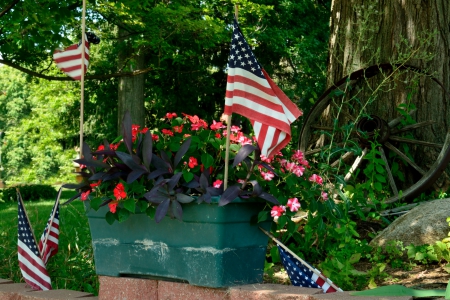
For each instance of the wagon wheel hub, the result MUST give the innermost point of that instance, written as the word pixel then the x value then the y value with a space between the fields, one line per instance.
pixel 372 128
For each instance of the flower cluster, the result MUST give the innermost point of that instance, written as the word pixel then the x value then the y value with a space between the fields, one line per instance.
pixel 183 160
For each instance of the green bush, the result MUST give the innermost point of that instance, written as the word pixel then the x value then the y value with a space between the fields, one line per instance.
pixel 29 192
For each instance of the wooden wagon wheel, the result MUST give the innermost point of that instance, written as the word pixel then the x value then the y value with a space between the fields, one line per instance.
pixel 362 110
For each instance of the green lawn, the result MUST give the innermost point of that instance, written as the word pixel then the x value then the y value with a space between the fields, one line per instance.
pixel 73 266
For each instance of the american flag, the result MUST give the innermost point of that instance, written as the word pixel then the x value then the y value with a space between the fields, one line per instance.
pixel 69 59
pixel 51 246
pixel 30 262
pixel 302 274
pixel 252 94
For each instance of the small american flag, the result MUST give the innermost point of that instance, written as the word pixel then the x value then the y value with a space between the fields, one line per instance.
pixel 69 60
pixel 30 262
pixel 51 245
pixel 252 94
pixel 302 274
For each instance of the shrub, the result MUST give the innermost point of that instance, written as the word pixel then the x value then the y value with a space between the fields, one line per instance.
pixel 29 192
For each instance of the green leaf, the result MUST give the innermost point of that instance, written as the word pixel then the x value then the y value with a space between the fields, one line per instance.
pixel 377 186
pixel 130 205
pixel 263 216
pixel 150 211
pixel 142 205
pixel 95 203
pixel 110 218
pixel 207 160
pixel 380 178
pixel 123 214
pixel 188 176
pixel 275 255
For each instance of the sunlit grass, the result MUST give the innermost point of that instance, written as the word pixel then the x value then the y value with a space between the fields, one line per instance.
pixel 73 266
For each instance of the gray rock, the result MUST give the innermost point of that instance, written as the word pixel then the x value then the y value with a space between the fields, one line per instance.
pixel 424 224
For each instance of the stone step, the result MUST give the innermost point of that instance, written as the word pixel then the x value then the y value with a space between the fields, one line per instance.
pixel 115 288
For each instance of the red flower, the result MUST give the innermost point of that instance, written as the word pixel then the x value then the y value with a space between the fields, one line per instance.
pixel 217 183
pixel 192 162
pixel 167 132
pixel 114 146
pixel 100 148
pixel 217 135
pixel 177 129
pixel 112 207
pixel 119 192
pixel 155 137
pixel 144 130
pixel 171 115
pixel 85 195
pixel 134 131
pixel 95 184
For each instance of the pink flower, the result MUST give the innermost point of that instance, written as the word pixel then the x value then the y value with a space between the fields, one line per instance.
pixel 217 183
pixel 216 125
pixel 277 211
pixel 268 176
pixel 324 196
pixel 297 156
pixel 178 129
pixel 235 128
pixel 241 181
pixel 316 178
pixel 298 171
pixel 293 204
pixel 85 195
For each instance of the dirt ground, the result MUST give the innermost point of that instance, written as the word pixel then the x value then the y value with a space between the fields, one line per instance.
pixel 431 277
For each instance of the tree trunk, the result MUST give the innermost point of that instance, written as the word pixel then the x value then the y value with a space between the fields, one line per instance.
pixel 413 32
pixel 131 89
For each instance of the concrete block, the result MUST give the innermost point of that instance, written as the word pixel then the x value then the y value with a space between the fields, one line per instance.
pixel 5 281
pixel 168 290
pixel 124 288
pixel 12 291
pixel 271 292
pixel 56 294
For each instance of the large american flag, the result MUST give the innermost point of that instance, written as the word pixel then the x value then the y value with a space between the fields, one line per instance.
pixel 30 262
pixel 51 245
pixel 69 59
pixel 302 274
pixel 252 94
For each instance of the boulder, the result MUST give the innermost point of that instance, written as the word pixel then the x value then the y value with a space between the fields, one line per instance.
pixel 424 224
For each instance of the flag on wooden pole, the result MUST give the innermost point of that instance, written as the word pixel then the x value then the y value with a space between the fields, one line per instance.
pixel 252 94
pixel 48 244
pixel 30 262
pixel 69 59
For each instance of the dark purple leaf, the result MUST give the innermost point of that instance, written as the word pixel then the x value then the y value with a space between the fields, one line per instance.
pixel 87 154
pixel 161 210
pixel 174 180
pixel 72 198
pixel 269 197
pixel 160 164
pixel 257 189
pixel 130 160
pixel 204 183
pixel 166 158
pixel 205 197
pixel 92 163
pixel 192 184
pixel 135 175
pixel 97 176
pixel 229 195
pixel 182 151
pixel 126 131
pixel 107 152
pixel 267 166
pixel 157 173
pixel 215 191
pixel 75 185
pixel 177 211
pixel 147 149
pixel 184 198
pixel 243 153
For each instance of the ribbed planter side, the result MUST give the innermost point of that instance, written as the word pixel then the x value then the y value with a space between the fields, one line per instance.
pixel 213 246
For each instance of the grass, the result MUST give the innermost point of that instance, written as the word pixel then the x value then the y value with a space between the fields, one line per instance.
pixel 72 267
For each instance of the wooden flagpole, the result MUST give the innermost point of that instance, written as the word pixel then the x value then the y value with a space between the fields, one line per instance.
pixel 315 271
pixel 83 40
pixel 26 215
pixel 44 245
pixel 228 120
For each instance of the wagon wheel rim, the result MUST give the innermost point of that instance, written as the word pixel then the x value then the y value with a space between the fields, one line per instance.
pixel 384 130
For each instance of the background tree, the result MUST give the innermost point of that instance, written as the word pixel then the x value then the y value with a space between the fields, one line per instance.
pixel 365 33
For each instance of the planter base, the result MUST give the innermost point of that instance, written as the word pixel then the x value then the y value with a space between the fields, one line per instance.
pixel 213 246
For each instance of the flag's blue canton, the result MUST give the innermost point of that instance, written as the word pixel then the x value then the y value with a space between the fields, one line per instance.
pixel 241 56
pixel 24 232
pixel 298 273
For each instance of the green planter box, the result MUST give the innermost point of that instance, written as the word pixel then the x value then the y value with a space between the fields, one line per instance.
pixel 213 246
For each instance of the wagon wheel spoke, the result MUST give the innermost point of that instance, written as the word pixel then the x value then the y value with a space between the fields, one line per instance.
pixel 397 120
pixel 413 126
pixel 355 165
pixel 388 170
pixel 415 142
pixel 404 157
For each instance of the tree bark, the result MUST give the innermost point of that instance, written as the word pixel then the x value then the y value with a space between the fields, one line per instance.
pixel 412 32
pixel 131 89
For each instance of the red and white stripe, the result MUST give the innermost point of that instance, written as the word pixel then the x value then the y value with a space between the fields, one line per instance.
pixel 51 248
pixel 33 268
pixel 265 105
pixel 69 60
pixel 325 283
